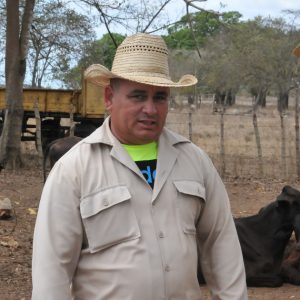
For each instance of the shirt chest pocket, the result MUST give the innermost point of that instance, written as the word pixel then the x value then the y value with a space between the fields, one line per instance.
pixel 108 218
pixel 190 203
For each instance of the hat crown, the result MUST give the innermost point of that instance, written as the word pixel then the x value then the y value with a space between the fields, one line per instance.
pixel 142 54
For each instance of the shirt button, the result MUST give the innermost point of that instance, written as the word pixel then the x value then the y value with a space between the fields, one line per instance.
pixel 167 268
pixel 161 234
pixel 105 203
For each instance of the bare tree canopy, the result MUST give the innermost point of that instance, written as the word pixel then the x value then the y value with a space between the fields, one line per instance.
pixel 57 37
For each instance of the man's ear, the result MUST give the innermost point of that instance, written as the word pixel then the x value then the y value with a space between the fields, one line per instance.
pixel 108 95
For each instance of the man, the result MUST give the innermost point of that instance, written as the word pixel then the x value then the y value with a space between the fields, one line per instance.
pixel 128 212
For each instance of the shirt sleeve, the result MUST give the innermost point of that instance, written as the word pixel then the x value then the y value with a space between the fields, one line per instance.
pixel 57 237
pixel 219 248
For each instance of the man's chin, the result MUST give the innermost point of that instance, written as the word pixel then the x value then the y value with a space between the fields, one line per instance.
pixel 146 139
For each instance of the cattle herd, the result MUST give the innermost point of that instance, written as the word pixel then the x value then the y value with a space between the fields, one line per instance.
pixel 269 240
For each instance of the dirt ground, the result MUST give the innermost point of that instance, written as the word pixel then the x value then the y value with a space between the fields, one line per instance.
pixel 24 189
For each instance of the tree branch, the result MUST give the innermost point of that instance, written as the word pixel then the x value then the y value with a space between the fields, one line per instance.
pixel 97 6
pixel 189 3
pixel 155 15
pixel 191 27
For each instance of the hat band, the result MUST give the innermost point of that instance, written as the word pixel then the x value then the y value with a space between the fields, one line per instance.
pixel 141 75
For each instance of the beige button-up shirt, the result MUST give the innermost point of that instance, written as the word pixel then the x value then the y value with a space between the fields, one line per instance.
pixel 102 233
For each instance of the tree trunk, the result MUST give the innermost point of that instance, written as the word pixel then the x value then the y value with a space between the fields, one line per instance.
pixel 230 98
pixel 297 133
pixel 262 98
pixel 15 67
pixel 283 101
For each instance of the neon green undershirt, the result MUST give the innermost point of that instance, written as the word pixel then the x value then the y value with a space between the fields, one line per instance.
pixel 142 152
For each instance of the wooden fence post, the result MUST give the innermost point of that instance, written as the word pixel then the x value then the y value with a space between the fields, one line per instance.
pixel 283 145
pixel 222 143
pixel 190 125
pixel 257 136
pixel 38 133
pixel 72 124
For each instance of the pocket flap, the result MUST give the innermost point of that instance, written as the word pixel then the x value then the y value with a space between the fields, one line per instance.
pixel 190 187
pixel 101 200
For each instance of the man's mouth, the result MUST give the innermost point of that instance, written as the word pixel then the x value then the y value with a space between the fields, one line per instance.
pixel 148 122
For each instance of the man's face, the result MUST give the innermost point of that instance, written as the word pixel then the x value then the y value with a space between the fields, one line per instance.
pixel 138 111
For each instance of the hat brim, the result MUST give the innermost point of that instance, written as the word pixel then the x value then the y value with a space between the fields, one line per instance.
pixel 296 51
pixel 100 75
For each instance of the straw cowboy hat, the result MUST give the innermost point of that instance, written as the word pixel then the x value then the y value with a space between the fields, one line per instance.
pixel 140 58
pixel 296 50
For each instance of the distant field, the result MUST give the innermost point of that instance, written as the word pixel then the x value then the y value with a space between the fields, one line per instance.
pixel 240 143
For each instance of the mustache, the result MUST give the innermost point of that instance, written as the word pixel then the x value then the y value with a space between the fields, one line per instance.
pixel 147 119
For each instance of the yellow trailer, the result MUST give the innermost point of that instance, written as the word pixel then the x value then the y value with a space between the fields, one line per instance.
pixel 85 107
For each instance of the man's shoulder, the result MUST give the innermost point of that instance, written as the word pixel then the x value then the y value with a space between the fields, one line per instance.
pixel 183 144
pixel 174 137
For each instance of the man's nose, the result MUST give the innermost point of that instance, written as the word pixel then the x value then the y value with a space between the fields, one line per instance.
pixel 149 107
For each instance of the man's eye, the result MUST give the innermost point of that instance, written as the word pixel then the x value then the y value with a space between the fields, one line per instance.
pixel 161 98
pixel 138 97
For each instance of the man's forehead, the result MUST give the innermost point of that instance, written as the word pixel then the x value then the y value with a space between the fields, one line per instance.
pixel 150 90
pixel 144 88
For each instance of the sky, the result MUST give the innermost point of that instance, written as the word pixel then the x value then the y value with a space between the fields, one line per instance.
pixel 248 8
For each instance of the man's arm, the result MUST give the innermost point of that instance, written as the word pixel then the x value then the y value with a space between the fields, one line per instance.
pixel 220 251
pixel 57 237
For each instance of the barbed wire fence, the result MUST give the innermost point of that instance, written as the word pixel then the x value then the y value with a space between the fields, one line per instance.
pixel 229 137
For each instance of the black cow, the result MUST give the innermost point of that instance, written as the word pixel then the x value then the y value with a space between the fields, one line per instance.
pixel 56 149
pixel 264 237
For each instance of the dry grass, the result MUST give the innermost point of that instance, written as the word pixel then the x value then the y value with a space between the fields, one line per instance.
pixel 240 144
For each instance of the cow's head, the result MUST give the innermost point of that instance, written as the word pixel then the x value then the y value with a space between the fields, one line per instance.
pixel 289 201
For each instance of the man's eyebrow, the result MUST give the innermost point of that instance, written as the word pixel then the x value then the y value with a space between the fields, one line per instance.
pixel 136 91
pixel 163 93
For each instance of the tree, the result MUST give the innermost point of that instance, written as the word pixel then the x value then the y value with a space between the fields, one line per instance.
pixel 254 54
pixel 202 25
pixel 100 51
pixel 2 41
pixel 57 37
pixel 220 71
pixel 130 15
pixel 283 36
pixel 17 40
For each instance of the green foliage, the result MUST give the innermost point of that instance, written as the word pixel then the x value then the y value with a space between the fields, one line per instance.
pixel 96 52
pixel 102 51
pixel 204 25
